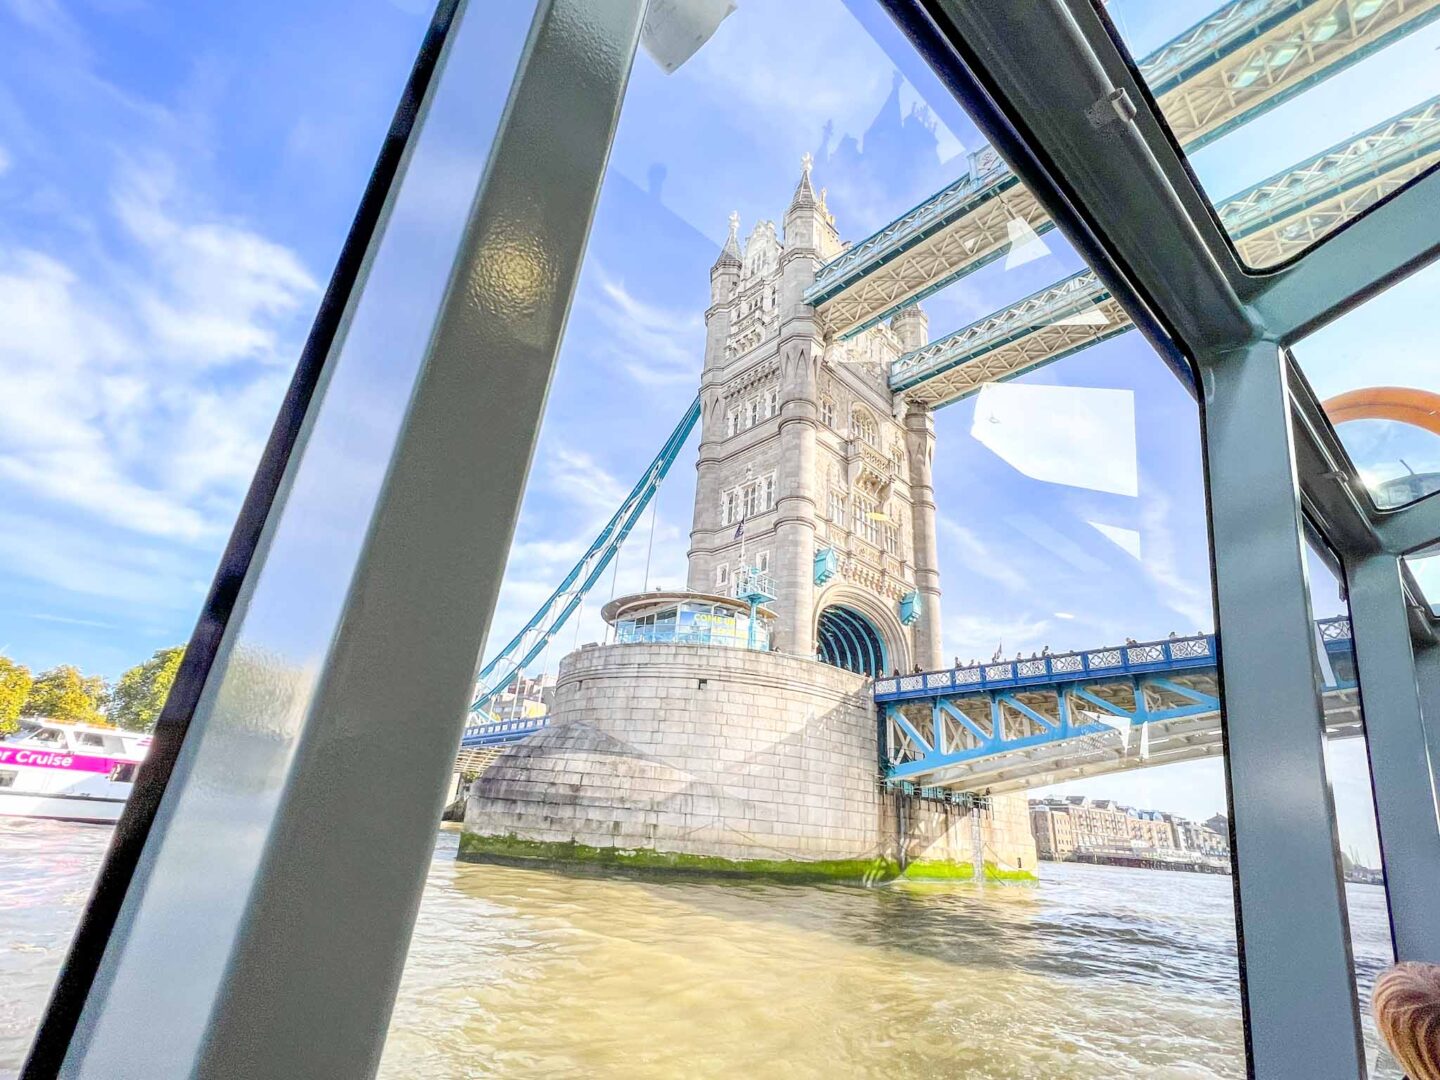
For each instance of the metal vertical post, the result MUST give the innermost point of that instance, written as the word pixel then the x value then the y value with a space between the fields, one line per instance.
pixel 1405 811
pixel 1302 1018
pixel 1427 677
pixel 263 931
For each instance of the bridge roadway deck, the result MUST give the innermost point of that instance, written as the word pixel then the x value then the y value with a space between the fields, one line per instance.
pixel 500 732
pixel 1019 724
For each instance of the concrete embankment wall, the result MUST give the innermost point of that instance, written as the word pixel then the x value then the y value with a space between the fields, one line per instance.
pixel 708 758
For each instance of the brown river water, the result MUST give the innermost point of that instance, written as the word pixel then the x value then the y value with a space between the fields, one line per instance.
pixel 1094 973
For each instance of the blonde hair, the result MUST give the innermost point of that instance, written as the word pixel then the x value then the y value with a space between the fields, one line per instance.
pixel 1406 1003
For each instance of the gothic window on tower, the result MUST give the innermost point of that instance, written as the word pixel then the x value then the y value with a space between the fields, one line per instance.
pixel 730 507
pixel 865 520
pixel 722 575
pixel 769 499
pixel 752 408
pixel 892 538
pixel 772 403
pixel 752 499
pixel 837 508
pixel 827 412
pixel 762 562
pixel 732 422
pixel 862 426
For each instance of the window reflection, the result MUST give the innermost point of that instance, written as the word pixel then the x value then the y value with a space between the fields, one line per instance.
pixel 1375 372
pixel 1296 118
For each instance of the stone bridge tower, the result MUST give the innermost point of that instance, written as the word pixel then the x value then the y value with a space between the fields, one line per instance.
pixel 660 750
pixel 810 470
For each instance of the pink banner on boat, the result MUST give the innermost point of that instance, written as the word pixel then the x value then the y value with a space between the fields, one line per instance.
pixel 54 759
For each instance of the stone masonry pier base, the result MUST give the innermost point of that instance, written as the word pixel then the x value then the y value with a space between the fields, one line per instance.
pixel 719 760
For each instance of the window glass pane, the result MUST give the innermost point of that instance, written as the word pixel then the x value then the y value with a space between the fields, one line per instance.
pixel 574 922
pixel 1425 569
pixel 169 225
pixel 1376 370
pixel 1069 517
pixel 1347 764
pixel 1296 117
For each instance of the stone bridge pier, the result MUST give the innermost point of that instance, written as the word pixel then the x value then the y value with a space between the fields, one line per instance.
pixel 726 761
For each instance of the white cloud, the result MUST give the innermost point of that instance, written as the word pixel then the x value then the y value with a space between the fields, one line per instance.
pixel 1183 589
pixel 134 574
pixel 978 636
pixel 788 91
pixel 1056 544
pixel 576 475
pixel 139 392
pixel 572 496
pixel 789 98
pixel 67 621
pixel 974 556
pixel 655 346
pixel 216 290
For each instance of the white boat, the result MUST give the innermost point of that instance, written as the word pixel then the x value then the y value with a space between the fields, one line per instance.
pixel 69 772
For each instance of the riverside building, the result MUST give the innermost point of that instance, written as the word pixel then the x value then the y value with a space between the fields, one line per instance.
pixel 1080 826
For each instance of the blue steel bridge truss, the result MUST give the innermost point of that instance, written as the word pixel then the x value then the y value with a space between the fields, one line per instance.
pixel 1022 723
pixel 486 729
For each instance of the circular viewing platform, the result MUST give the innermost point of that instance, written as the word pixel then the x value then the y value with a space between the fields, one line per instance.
pixel 689 618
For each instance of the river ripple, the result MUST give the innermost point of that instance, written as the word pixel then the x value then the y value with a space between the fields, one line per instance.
pixel 1095 973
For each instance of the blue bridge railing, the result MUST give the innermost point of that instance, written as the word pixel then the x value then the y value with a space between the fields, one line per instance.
pixel 1132 658
pixel 501 732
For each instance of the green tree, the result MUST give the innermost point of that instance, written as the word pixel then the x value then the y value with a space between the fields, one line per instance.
pixel 63 694
pixel 14 689
pixel 138 697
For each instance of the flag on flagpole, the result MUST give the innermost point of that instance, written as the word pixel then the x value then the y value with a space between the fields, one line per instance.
pixel 739 530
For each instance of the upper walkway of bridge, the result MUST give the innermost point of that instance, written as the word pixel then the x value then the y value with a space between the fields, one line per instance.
pixel 1246 58
pixel 1133 658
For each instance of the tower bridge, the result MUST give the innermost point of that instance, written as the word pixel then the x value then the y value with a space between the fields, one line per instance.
pixel 1270 221
pixel 714 727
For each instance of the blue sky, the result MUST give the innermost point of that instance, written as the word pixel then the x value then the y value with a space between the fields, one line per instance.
pixel 176 183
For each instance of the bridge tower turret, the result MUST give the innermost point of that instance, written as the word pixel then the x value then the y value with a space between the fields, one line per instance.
pixel 724 280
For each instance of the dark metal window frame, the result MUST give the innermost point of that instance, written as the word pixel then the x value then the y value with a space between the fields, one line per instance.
pixel 1275 474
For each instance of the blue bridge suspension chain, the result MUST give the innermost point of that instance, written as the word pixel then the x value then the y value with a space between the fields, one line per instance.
pixel 570 594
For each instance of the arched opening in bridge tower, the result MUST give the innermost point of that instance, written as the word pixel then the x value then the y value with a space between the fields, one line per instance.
pixel 847 639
